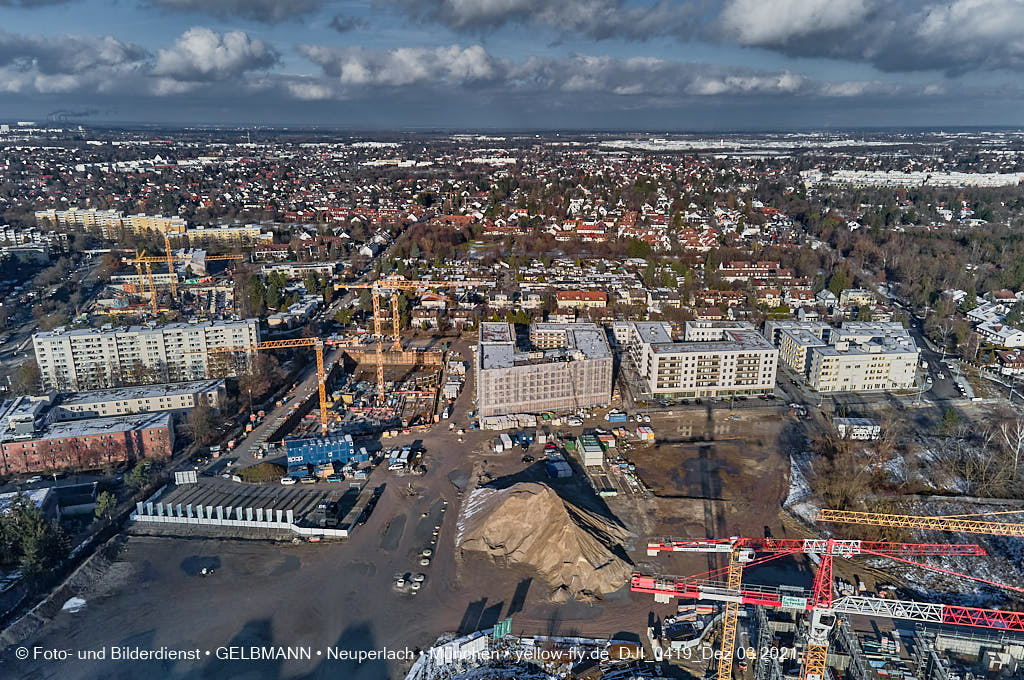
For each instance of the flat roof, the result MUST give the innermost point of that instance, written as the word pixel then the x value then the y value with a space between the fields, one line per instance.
pixel 180 325
pixel 139 392
pixel 496 331
pixel 739 340
pixel 652 332
pixel 83 428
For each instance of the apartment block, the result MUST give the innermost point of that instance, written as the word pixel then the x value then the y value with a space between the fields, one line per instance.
pixel 81 359
pixel 567 367
pixel 704 330
pixel 737 362
pixel 858 356
pixel 30 442
pixel 170 397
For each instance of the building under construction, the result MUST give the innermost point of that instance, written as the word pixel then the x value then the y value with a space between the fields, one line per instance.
pixel 568 367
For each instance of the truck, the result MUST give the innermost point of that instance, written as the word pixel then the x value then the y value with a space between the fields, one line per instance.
pixel 616 417
pixel 506 441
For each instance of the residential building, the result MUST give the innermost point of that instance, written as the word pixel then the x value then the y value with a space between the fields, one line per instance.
pixel 702 330
pixel 140 224
pixel 172 397
pixel 859 356
pixel 1001 334
pixel 856 297
pixel 581 299
pixel 569 367
pixel 107 222
pixel 30 443
pixel 740 363
pixel 87 358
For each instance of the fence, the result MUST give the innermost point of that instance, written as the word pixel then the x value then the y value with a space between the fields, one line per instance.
pixel 221 516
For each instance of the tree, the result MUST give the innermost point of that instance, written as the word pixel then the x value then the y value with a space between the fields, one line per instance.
pixel 140 476
pixel 344 316
pixel 30 540
pixel 200 424
pixel 839 282
pixel 950 420
pixel 27 379
pixel 105 504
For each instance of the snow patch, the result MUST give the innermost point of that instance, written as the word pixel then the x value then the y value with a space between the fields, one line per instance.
pixel 74 605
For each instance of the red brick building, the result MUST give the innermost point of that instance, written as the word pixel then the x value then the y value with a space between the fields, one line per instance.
pixel 83 444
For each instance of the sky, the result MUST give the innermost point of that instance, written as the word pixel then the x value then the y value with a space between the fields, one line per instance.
pixel 644 65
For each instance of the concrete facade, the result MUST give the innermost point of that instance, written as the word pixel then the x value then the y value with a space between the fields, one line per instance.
pixel 81 359
pixel 739 363
pixel 171 397
pixel 568 368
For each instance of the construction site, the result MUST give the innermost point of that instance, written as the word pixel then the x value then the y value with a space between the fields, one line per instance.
pixel 664 536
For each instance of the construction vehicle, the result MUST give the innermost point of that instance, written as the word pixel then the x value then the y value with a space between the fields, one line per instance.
pixel 821 603
pixel 393 284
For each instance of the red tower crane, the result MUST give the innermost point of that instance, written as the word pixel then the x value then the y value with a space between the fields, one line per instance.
pixel 820 601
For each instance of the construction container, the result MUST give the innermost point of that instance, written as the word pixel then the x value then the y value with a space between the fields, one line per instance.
pixel 590 451
pixel 506 440
pixel 616 417
pixel 558 469
pixel 645 434
pixel 499 446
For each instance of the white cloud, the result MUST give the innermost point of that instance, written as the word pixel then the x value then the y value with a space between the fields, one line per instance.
pixel 775 22
pixel 596 19
pixel 357 66
pixel 201 54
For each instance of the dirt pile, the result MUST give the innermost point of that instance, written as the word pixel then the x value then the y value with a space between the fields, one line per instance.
pixel 576 551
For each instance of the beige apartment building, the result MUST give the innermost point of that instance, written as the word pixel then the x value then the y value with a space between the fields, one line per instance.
pixel 87 358
pixel 173 397
pixel 731 362
pixel 568 367
pixel 860 356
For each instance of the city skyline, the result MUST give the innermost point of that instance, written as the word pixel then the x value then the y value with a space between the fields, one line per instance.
pixel 522 64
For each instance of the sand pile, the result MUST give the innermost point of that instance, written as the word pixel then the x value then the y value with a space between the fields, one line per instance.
pixel 576 551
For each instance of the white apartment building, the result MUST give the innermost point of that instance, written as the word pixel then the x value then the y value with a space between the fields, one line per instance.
pixel 737 362
pixel 701 330
pixel 173 397
pixel 861 356
pixel 81 359
pixel 868 367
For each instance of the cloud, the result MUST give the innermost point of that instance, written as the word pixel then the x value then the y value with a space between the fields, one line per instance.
pixel 955 36
pixel 355 71
pixel 343 24
pixel 596 19
pixel 31 4
pixel 775 22
pixel 358 66
pixel 265 11
pixel 33 63
pixel 202 55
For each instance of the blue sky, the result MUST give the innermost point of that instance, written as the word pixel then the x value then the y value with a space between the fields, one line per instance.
pixel 625 64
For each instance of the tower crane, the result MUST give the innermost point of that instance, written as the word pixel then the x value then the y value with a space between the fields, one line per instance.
pixel 959 523
pixel 318 347
pixel 141 259
pixel 820 603
pixel 393 285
